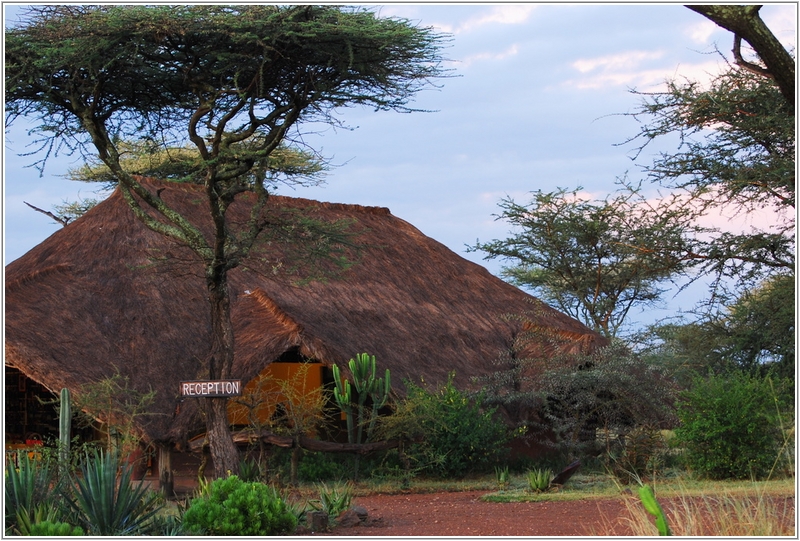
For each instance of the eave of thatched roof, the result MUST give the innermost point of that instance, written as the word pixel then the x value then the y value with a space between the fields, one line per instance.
pixel 105 294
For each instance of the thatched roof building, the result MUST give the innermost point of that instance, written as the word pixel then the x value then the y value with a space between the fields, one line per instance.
pixel 106 294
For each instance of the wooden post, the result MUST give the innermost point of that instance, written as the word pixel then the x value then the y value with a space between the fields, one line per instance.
pixel 165 476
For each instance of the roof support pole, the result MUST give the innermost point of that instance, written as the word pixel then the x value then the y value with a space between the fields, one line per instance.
pixel 166 478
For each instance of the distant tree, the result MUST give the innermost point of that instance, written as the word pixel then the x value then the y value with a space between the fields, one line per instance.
pixel 594 260
pixel 755 334
pixel 233 81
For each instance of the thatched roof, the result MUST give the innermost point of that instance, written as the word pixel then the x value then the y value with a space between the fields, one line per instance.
pixel 106 294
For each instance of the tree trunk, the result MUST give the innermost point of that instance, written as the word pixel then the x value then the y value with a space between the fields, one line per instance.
pixel 745 22
pixel 220 363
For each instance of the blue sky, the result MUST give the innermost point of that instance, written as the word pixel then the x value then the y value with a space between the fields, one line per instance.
pixel 536 104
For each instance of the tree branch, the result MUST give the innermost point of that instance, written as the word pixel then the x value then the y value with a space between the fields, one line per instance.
pixel 59 219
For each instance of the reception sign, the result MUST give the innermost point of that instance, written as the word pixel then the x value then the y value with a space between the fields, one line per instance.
pixel 212 389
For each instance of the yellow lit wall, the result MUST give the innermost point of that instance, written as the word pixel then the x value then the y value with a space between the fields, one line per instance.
pixel 266 390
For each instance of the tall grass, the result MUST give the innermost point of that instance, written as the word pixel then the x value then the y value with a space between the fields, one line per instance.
pixel 725 515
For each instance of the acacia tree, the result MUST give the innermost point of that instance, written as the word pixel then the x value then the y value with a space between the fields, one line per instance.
pixel 594 260
pixel 233 81
pixel 736 155
pixel 745 23
pixel 147 159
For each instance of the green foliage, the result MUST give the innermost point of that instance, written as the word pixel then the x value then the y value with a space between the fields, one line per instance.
pixel 755 333
pixel 333 500
pixel 565 399
pixel 539 479
pixel 28 488
pixel 55 529
pixel 652 506
pixel 233 507
pixel 112 405
pixel 594 260
pixel 317 467
pixel 736 154
pixel 250 470
pixel 731 426
pixel 107 502
pixel 502 477
pixel 460 434
pixel 639 456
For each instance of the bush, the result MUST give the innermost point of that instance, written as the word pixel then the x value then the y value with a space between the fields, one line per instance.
pixel 460 434
pixel 640 455
pixel 231 506
pixel 316 467
pixel 731 426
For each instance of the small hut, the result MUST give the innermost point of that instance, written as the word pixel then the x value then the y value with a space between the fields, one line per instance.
pixel 105 295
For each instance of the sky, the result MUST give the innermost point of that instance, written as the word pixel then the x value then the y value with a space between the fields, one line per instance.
pixel 537 102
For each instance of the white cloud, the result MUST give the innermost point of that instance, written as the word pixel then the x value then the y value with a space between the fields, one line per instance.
pixel 701 32
pixel 635 69
pixel 510 51
pixel 507 14
pixel 616 61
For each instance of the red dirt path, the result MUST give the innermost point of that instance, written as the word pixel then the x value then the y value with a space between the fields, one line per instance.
pixel 464 514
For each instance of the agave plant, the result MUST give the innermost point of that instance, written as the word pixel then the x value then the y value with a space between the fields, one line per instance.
pixel 539 479
pixel 28 488
pixel 502 476
pixel 333 500
pixel 110 505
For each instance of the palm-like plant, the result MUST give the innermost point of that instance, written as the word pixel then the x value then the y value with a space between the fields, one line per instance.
pixel 110 505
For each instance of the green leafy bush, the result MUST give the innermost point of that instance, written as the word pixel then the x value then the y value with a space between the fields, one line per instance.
pixel 459 433
pixel 731 426
pixel 55 529
pixel 231 506
pixel 317 467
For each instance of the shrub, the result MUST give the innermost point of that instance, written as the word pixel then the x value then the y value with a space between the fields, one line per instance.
pixel 231 506
pixel 317 467
pixel 460 433
pixel 731 426
pixel 640 455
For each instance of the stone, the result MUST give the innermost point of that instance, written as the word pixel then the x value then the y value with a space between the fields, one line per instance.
pixel 348 519
pixel 317 521
pixel 361 511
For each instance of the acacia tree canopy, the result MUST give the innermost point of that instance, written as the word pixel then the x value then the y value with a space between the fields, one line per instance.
pixel 736 155
pixel 745 23
pixel 595 260
pixel 233 81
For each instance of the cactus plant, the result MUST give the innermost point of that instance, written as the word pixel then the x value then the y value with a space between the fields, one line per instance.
pixel 363 370
pixel 652 506
pixel 64 429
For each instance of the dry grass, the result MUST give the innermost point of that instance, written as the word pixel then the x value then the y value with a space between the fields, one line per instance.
pixel 728 514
